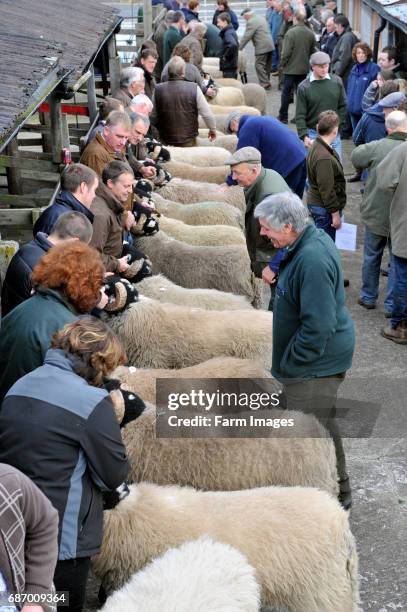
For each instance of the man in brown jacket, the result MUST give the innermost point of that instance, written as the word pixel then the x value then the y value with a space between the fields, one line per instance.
pixel 110 217
pixel 28 537
pixel 193 40
pixel 131 84
pixel 109 144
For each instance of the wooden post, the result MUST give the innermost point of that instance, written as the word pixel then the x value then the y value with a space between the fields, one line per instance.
pixel 56 128
pixel 46 141
pixel 92 103
pixel 14 180
pixel 147 18
pixel 114 65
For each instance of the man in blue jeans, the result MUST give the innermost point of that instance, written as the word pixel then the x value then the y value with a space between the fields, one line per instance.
pixel 375 210
pixel 392 178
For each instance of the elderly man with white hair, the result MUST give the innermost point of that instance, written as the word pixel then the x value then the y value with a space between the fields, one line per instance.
pixel 141 104
pixel 313 333
pixel 131 84
pixel 193 41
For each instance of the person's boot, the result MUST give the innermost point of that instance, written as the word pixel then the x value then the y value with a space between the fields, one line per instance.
pixel 345 493
pixel 397 334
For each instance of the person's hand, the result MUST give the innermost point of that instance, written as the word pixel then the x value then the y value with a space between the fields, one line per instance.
pixel 103 299
pixel 268 275
pixel 148 172
pixel 123 264
pixel 308 142
pixel 129 221
pixel 336 220
pixel 212 135
pixel 375 84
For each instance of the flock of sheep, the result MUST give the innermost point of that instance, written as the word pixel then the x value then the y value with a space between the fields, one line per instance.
pixel 217 524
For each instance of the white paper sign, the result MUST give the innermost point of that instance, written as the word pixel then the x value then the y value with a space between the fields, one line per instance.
pixel 346 237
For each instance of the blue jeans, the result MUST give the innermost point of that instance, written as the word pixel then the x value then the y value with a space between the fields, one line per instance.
pixel 336 145
pixel 354 119
pixel 296 179
pixel 322 219
pixel 399 312
pixel 373 249
pixel 275 59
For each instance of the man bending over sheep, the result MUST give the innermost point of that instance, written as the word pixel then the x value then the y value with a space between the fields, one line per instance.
pixel 313 333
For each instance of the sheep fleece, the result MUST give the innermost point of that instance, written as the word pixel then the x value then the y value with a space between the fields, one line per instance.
pixel 212 174
pixel 202 235
pixel 297 539
pixel 202 575
pixel 157 335
pixel 199 157
pixel 187 192
pixel 201 213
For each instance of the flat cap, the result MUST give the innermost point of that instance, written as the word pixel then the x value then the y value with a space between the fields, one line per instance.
pixel 246 10
pixel 392 100
pixel 233 115
pixel 248 155
pixel 319 58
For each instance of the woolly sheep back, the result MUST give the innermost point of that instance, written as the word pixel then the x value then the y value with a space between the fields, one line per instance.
pixel 227 141
pixel 187 192
pixel 202 235
pixel 228 96
pixel 202 213
pixel 243 109
pixel 184 170
pixel 198 157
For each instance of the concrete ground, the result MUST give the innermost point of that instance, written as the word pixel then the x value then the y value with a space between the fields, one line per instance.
pixel 375 392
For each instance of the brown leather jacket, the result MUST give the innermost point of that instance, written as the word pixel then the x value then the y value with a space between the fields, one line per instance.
pixel 107 235
pixel 176 111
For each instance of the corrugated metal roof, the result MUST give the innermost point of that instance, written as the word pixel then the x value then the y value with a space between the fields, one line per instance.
pixel 40 42
pixel 395 11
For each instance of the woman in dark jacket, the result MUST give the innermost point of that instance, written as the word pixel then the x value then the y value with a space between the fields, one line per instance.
pixel 362 74
pixel 326 195
pixel 223 7
pixel 67 282
pixel 228 61
pixel 191 13
pixel 59 427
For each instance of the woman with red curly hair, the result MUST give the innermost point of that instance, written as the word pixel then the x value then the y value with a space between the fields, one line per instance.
pixel 67 283
pixel 362 74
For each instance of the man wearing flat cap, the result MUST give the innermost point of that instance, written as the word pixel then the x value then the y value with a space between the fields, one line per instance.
pixel 258 182
pixel 319 92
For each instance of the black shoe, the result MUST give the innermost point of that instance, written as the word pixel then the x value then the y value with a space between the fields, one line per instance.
pixel 281 120
pixel 346 282
pixel 345 493
pixel 387 315
pixel 366 305
pixel 384 272
pixel 293 120
pixel 355 178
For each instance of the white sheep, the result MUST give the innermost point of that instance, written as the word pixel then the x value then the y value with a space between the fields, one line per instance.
pixel 243 109
pixel 160 288
pixel 228 96
pixel 143 380
pixel 157 335
pixel 187 192
pixel 202 235
pixel 196 267
pixel 212 61
pixel 220 121
pixel 226 141
pixel 228 82
pixel 200 576
pixel 297 539
pixel 199 157
pixel 211 174
pixel 201 213
pixel 255 95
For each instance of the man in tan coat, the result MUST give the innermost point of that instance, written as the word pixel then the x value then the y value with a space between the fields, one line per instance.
pixel 258 31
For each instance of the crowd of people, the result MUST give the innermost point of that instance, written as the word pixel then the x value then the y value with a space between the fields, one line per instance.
pixel 60 440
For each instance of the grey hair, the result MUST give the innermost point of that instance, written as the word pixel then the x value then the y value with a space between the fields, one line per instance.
pixel 282 208
pixel 131 75
pixel 197 26
pixel 325 15
pixel 176 66
pixel 396 120
pixel 136 117
pixel 141 99
pixel 169 16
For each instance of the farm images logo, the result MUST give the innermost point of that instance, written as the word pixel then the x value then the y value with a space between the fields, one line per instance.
pixel 219 408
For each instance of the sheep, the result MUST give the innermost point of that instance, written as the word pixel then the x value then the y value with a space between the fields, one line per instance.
pixel 228 96
pixel 198 157
pixel 162 289
pixel 201 213
pixel 157 335
pixel 212 61
pixel 212 174
pixel 187 192
pixel 297 539
pixel 197 267
pixel 227 82
pixel 202 235
pixel 255 95
pixel 214 72
pixel 143 381
pixel 199 575
pixel 243 110
pixel 226 141
pixel 220 120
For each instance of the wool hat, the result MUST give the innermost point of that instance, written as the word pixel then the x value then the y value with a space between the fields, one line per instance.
pixel 318 58
pixel 392 100
pixel 120 293
pixel 248 155
pixel 233 115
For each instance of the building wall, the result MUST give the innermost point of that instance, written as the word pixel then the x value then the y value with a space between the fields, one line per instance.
pixel 365 20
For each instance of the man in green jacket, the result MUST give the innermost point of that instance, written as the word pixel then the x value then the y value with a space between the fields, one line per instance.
pixel 258 31
pixel 173 35
pixel 375 210
pixel 258 182
pixel 313 333
pixel 298 46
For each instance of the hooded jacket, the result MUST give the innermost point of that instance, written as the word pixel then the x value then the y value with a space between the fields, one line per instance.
pixel 64 202
pixel 107 237
pixel 370 127
pixel 230 49
pixel 63 434
pixel 17 285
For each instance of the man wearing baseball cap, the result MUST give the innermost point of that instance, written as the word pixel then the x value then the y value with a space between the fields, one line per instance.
pixel 258 182
pixel 319 92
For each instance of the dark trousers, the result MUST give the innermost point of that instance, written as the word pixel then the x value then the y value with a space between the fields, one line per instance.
pixel 71 576
pixel 296 179
pixel 322 219
pixel 318 396
pixel 399 312
pixel 289 86
pixel 230 74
